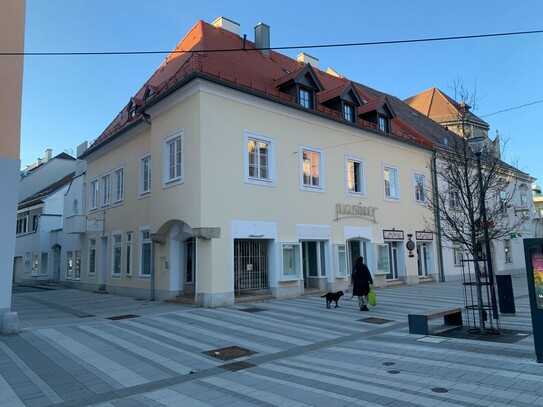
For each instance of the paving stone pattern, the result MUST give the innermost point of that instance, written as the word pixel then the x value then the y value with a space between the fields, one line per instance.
pixel 71 353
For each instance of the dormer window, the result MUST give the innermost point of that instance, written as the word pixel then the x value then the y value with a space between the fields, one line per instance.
pixel 132 111
pixel 305 98
pixel 348 113
pixel 383 124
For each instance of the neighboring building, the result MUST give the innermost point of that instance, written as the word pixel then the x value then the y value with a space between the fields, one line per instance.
pixel 231 173
pixel 12 26
pixel 508 252
pixel 537 198
pixel 45 171
pixel 39 234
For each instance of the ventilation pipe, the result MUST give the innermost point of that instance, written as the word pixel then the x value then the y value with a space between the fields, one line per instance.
pixel 262 38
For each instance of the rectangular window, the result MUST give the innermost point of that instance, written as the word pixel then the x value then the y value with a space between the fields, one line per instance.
pixel 419 185
pixel 34 223
pixel 355 176
pixel 92 256
pixel 458 254
pixel 383 124
pixel 119 185
pixel 94 194
pixel 69 264
pixel 259 159
pixel 190 260
pixel 106 189
pixel 507 251
pixel 311 166
pixel 291 267
pixel 35 264
pixel 173 158
pixel 77 265
pixel 117 242
pixel 306 98
pixel 145 253
pixel 145 174
pixel 340 254
pixel 129 253
pixel 454 198
pixel 348 113
pixel 390 176
pixel 383 259
pixel 22 223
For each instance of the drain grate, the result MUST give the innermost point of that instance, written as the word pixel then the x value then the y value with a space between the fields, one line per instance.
pixel 373 320
pixel 389 363
pixel 393 371
pixel 229 353
pixel 127 316
pixel 253 309
pixel 439 390
pixel 234 367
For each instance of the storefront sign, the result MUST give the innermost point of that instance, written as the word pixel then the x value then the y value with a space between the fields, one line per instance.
pixel 349 211
pixel 422 235
pixel 392 234
pixel 95 225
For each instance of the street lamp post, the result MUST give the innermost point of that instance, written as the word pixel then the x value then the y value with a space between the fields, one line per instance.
pixel 477 145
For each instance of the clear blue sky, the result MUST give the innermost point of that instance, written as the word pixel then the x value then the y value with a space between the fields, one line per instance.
pixel 70 99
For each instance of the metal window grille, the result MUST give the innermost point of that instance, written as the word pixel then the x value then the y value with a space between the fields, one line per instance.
pixel 250 265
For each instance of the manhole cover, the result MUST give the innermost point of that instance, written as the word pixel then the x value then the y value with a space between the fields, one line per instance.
pixel 229 353
pixel 234 367
pixel 373 320
pixel 393 371
pixel 439 390
pixel 127 316
pixel 388 363
pixel 253 309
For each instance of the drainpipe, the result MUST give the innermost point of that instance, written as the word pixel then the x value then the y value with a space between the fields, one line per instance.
pixel 152 271
pixel 437 214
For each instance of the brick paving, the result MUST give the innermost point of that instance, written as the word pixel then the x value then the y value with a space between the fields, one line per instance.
pixel 71 354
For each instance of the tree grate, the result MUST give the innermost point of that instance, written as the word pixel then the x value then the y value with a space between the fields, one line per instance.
pixel 127 316
pixel 373 320
pixel 229 353
pixel 253 309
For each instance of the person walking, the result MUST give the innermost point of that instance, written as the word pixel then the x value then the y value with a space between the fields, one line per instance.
pixel 361 282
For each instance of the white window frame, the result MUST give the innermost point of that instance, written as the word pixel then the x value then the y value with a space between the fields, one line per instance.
pixel 169 141
pixel 69 265
pixel 92 247
pixel 454 203
pixel 458 254
pixel 22 224
pixel 116 247
pixel 145 231
pixel 389 197
pixel 507 251
pixel 145 189
pixel 362 167
pixel 119 185
pixel 415 186
pixel 349 112
pixel 77 264
pixel 291 252
pixel 94 194
pixel 270 180
pixel 341 261
pixel 308 102
pixel 129 253
pixel 106 189
pixel 308 187
pixel 378 250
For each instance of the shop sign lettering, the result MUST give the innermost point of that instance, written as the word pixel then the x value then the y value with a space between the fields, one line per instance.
pixel 422 235
pixel 392 234
pixel 350 210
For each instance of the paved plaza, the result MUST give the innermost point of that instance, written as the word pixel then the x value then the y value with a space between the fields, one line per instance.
pixel 80 348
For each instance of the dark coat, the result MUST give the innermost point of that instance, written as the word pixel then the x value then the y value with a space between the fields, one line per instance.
pixel 361 280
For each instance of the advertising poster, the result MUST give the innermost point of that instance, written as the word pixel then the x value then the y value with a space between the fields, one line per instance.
pixel 537 267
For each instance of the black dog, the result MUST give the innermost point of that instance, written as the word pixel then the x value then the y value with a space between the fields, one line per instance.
pixel 332 297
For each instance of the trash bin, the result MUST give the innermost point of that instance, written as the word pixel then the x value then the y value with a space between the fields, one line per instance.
pixel 505 294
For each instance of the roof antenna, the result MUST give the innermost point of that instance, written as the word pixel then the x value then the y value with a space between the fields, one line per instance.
pixel 244 41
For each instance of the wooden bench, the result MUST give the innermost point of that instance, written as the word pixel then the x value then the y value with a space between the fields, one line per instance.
pixel 418 323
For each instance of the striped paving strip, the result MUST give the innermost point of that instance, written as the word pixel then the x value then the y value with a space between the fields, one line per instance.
pixel 7 396
pixel 130 347
pixel 34 378
pixel 169 397
pixel 233 330
pixel 216 339
pixel 122 375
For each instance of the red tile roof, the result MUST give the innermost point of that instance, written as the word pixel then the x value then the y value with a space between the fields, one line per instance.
pixel 249 69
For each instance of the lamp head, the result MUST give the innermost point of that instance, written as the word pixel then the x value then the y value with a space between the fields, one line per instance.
pixel 477 144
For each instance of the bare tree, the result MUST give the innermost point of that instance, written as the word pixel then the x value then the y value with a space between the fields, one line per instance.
pixel 457 201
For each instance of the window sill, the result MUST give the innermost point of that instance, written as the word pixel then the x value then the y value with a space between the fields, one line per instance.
pixel 287 279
